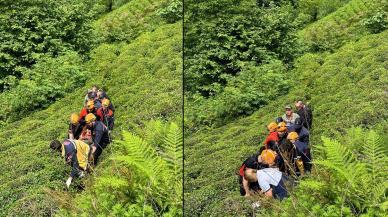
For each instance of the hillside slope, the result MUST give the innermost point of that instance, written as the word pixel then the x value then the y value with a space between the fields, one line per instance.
pixel 143 79
pixel 348 23
pixel 337 85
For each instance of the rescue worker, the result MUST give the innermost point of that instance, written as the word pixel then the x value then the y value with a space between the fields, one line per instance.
pixel 86 99
pixel 304 137
pixel 247 187
pixel 76 155
pixel 289 117
pixel 89 92
pixel 303 133
pixel 106 113
pixel 75 127
pixel 100 136
pixel 95 99
pixel 102 95
pixel 305 114
pixel 285 147
pixel 282 131
pixel 299 156
pixel 273 135
pixel 269 179
pixel 89 109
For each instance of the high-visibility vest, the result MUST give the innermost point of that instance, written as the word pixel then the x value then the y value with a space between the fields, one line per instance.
pixel 82 152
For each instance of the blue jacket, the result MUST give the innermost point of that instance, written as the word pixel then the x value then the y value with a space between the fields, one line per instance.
pixel 100 135
pixel 303 133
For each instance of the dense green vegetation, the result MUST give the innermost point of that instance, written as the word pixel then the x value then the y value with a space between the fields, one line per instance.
pixel 142 75
pixel 231 57
pixel 34 29
pixel 344 79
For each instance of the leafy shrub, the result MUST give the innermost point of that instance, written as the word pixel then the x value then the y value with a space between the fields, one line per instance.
pixel 218 47
pixel 236 54
pixel 32 29
pixel 40 85
pixel 128 21
pixel 377 23
pixel 339 27
pixel 110 5
pixel 172 12
pixel 313 10
pixel 254 87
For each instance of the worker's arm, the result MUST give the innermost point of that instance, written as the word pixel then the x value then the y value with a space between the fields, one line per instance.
pixel 264 184
pixel 268 193
pixel 246 187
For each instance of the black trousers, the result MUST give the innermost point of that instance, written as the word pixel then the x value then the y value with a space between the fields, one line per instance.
pixel 97 153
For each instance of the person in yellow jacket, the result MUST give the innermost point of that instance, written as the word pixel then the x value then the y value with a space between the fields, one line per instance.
pixel 76 154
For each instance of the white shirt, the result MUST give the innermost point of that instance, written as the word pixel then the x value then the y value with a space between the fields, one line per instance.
pixel 267 177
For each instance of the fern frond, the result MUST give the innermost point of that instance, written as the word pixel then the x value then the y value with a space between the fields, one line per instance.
pixel 141 156
pixel 378 193
pixel 375 156
pixel 342 160
pixel 173 149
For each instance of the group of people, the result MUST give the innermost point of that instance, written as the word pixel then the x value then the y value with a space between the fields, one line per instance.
pixel 88 134
pixel 286 151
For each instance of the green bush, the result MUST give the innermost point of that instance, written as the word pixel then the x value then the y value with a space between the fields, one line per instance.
pixel 236 55
pixel 254 87
pixel 172 12
pixel 34 29
pixel 341 26
pixel 378 22
pixel 129 21
pixel 218 47
pixel 313 10
pixel 48 80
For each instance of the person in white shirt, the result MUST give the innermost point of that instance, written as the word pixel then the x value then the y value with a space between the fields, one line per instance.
pixel 269 179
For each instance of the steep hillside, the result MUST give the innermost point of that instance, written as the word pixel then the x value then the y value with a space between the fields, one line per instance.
pixel 345 88
pixel 348 23
pixel 143 79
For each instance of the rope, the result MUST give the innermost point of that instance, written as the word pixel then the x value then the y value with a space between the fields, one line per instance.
pixel 286 161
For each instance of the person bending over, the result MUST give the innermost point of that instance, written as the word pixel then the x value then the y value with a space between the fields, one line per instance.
pixel 269 179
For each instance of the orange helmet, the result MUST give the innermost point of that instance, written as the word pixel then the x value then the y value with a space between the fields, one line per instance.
pixel 90 105
pixel 74 118
pixel 105 102
pixel 293 136
pixel 272 127
pixel 90 118
pixel 268 156
pixel 282 127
